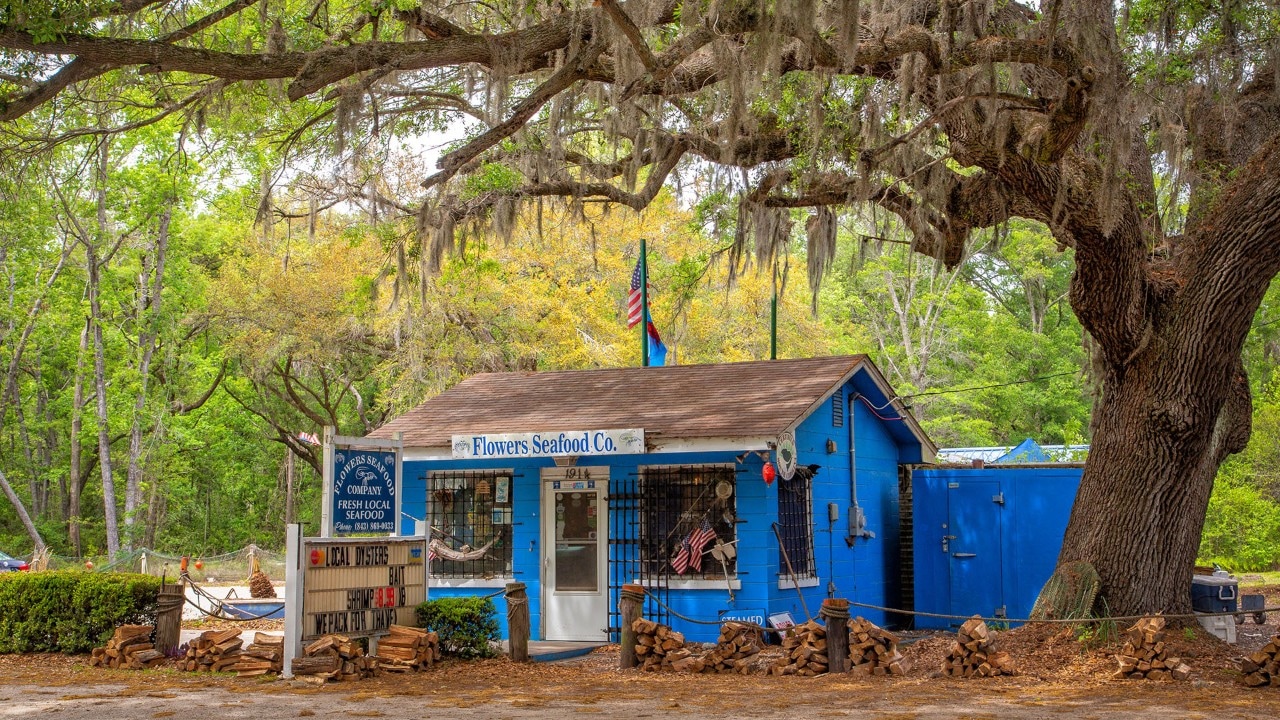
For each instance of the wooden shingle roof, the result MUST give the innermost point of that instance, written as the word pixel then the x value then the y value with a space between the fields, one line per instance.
pixel 726 400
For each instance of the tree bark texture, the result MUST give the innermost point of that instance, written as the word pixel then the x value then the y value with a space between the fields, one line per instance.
pixel 148 316
pixel 100 392
pixel 1175 399
pixel 75 483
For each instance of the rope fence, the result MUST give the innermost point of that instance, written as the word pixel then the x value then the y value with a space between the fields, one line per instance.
pixel 916 613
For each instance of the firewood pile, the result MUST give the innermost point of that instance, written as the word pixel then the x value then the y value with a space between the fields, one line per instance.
pixel 658 647
pixel 734 652
pixel 333 657
pixel 213 651
pixel 1144 654
pixel 1263 667
pixel 408 648
pixel 265 655
pixel 874 651
pixel 129 647
pixel 804 650
pixel 974 653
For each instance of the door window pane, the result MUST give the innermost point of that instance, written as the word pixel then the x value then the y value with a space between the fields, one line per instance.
pixel 576 541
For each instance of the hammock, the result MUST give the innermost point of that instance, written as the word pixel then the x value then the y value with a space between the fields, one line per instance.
pixel 462 554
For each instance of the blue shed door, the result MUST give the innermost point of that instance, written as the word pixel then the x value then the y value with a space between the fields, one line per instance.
pixel 973 543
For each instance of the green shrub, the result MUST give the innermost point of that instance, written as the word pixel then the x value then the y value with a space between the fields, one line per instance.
pixel 466 625
pixel 71 611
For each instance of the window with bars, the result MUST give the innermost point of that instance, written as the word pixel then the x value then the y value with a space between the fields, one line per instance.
pixel 795 523
pixel 688 521
pixel 469 515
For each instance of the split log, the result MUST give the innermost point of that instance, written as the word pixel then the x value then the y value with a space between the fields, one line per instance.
pixel 974 654
pixel 264 656
pixel 871 648
pixel 129 647
pixel 1262 668
pixel 334 657
pixel 736 645
pixel 408 648
pixel 654 643
pixel 804 651
pixel 213 651
pixel 1144 655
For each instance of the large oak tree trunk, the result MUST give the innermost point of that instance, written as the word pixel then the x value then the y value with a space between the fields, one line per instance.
pixel 1175 399
pixel 1141 503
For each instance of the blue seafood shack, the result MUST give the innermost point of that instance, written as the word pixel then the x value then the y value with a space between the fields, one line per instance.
pixel 736 490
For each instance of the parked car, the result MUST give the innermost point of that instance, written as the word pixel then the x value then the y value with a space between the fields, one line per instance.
pixel 12 564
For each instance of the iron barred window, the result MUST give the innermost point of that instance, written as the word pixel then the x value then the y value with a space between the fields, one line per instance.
pixel 469 515
pixel 795 523
pixel 688 521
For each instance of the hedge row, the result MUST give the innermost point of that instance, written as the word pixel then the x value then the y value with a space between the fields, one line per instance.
pixel 71 611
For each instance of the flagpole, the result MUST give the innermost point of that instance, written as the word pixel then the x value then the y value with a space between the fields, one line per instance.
pixel 773 315
pixel 644 306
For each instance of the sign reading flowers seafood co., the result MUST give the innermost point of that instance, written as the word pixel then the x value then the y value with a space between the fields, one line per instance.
pixel 364 491
pixel 548 444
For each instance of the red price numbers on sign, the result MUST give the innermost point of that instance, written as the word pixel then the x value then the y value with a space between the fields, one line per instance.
pixel 384 597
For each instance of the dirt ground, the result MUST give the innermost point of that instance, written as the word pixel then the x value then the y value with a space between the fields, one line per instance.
pixel 1063 672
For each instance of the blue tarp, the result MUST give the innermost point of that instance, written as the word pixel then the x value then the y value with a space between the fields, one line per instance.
pixel 1026 451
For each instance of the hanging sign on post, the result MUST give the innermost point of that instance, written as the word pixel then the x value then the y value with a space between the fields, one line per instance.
pixel 362 486
pixel 364 491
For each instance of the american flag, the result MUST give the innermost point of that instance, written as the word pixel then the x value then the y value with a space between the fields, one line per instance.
pixel 698 540
pixel 635 305
pixel 680 563
pixel 690 553
pixel 309 438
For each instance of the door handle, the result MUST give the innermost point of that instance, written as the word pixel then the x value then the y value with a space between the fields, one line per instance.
pixel 964 555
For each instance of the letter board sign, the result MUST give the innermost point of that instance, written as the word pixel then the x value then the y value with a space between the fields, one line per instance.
pixel 361 587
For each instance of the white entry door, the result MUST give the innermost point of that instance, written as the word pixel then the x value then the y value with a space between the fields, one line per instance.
pixel 575 550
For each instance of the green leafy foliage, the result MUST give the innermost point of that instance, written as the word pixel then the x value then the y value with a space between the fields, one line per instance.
pixel 71 611
pixel 466 625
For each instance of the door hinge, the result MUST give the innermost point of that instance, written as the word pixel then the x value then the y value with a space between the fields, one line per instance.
pixel 998 499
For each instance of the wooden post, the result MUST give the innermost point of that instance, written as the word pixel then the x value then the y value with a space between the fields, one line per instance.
pixel 169 617
pixel 836 613
pixel 517 621
pixel 630 605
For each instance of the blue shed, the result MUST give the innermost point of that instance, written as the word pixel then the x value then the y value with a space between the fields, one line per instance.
pixel 577 482
pixel 986 538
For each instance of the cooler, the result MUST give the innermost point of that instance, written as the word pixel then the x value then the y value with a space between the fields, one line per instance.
pixel 1214 594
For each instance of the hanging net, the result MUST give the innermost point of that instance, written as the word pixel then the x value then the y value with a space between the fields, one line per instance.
pixel 229 568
